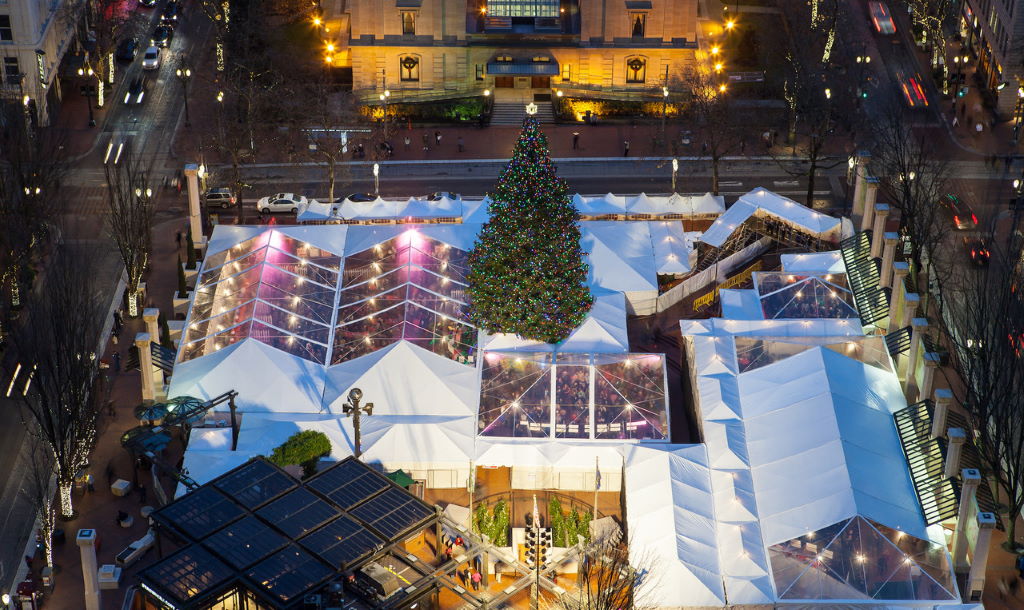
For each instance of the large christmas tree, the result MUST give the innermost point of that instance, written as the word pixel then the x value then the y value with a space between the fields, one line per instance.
pixel 526 271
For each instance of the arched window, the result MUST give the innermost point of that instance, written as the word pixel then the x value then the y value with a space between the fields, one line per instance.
pixel 636 69
pixel 409 68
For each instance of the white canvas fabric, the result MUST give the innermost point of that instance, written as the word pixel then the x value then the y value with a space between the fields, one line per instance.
pixel 740 304
pixel 764 202
pixel 266 379
pixel 814 262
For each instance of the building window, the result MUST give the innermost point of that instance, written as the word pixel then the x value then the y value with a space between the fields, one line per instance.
pixel 636 70
pixel 410 68
pixel 409 23
pixel 638 24
pixel 12 71
pixel 479 71
pixel 6 33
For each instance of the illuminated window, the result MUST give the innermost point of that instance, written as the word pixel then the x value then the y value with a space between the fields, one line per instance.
pixel 408 23
pixel 638 24
pixel 636 70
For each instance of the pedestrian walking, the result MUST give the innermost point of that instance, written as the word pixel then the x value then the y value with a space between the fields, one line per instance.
pixel 407 143
pixel 625 148
pixel 177 238
pixel 426 142
pixel 142 493
pixel 575 140
pixel 437 138
pixel 476 580
pixel 462 144
pixel 116 357
pixel 113 338
pixel 955 121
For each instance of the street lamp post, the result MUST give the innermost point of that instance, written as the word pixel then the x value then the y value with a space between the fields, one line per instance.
pixel 88 90
pixel 376 179
pixel 184 73
pixel 220 112
pixel 353 408
pixel 675 169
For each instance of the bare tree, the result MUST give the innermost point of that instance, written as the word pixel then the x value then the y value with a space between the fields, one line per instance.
pixel 930 18
pixel 38 490
pixel 719 123
pixel 321 116
pixel 607 579
pixel 983 318
pixel 915 179
pixel 108 21
pixel 130 199
pixel 56 356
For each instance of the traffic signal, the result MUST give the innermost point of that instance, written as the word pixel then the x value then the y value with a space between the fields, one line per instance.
pixel 962 91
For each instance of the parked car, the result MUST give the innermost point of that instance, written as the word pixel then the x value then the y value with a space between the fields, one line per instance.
pixel 963 216
pixel 147 3
pixel 127 49
pixel 170 14
pixel 361 197
pixel 281 202
pixel 438 196
pixel 151 58
pixel 977 249
pixel 162 36
pixel 881 18
pixel 136 91
pixel 222 197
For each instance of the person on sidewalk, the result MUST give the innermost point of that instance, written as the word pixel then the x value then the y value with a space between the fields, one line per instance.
pixel 462 144
pixel 407 143
pixel 625 148
pixel 426 142
pixel 437 138
pixel 575 140
pixel 116 356
pixel 476 580
pixel 142 493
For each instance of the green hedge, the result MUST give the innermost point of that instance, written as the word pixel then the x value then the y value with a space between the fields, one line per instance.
pixel 494 524
pixel 302 448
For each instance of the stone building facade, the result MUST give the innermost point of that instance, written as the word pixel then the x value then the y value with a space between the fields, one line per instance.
pixel 439 48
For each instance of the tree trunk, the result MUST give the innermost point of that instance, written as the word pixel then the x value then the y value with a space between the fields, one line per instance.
pixel 67 510
pixel 811 171
pixel 714 175
pixel 330 179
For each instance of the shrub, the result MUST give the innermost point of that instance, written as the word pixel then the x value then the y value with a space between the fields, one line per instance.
pixel 499 524
pixel 165 330
pixel 302 448
pixel 182 285
pixel 190 247
pixel 481 519
pixel 556 521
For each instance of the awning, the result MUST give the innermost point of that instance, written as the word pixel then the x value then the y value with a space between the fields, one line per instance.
pixel 523 68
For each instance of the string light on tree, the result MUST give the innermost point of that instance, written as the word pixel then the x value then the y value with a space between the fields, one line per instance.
pixel 526 272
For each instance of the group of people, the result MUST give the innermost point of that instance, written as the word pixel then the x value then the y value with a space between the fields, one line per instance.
pixel 795 297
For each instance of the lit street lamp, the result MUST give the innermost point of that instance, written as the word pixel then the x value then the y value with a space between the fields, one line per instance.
pixel 184 73
pixel 675 169
pixel 376 179
pixel 353 408
pixel 88 91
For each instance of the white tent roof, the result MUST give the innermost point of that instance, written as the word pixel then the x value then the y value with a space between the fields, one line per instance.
pixel 814 262
pixel 656 205
pixel 402 441
pixel 407 380
pixel 620 255
pixel 740 304
pixel 602 331
pixel 673 247
pixel 765 202
pixel 672 525
pixel 266 378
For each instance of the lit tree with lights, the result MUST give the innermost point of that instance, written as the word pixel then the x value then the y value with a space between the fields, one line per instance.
pixel 526 272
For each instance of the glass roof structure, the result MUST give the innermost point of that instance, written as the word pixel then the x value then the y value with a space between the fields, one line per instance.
pixel 795 296
pixel 755 352
pixel 410 287
pixel 271 288
pixel 858 559
pixel 578 396
pixel 258 529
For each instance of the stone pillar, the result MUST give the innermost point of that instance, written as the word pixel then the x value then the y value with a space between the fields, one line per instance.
pixel 86 540
pixel 956 437
pixel 485 561
pixel 970 479
pixel 870 200
pixel 911 301
pixel 931 362
pixel 860 174
pixel 151 315
pixel 918 327
pixel 943 398
pixel 142 341
pixel 976 579
pixel 897 299
pixel 890 240
pixel 195 216
pixel 878 230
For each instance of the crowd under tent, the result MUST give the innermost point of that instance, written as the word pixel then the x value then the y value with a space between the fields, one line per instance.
pixel 765 205
pixel 806 460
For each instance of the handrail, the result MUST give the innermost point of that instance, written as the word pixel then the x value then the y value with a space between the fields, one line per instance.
pixel 706 299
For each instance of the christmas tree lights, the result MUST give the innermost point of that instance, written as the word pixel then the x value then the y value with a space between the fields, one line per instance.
pixel 526 272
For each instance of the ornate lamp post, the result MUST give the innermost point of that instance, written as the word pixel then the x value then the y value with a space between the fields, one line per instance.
pixel 353 408
pixel 184 73
pixel 88 90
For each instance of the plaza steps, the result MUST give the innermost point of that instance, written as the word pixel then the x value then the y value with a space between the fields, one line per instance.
pixel 513 113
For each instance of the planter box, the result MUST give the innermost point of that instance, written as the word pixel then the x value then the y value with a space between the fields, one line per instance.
pixel 176 327
pixel 190 275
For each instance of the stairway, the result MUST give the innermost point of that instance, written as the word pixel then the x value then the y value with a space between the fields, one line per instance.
pixel 513 113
